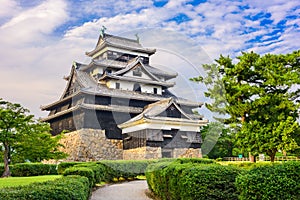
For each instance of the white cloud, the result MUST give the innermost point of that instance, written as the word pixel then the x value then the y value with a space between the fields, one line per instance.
pixel 8 8
pixel 31 25
pixel 34 59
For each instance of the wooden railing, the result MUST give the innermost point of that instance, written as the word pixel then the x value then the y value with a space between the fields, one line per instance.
pixel 267 158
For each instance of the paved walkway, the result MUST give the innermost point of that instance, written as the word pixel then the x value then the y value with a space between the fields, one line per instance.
pixel 134 190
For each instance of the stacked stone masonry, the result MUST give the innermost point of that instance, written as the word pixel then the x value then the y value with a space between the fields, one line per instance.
pixel 91 145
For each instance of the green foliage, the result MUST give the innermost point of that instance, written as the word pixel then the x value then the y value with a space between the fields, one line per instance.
pixel 13 120
pixel 33 169
pixel 192 180
pixel 98 169
pixel 23 138
pixel 194 160
pixel 108 170
pixel 270 182
pixel 209 182
pixel 127 169
pixel 64 165
pixel 260 95
pixel 38 144
pixel 81 171
pixel 218 141
pixel 215 89
pixel 156 182
pixel 70 187
pixel 250 165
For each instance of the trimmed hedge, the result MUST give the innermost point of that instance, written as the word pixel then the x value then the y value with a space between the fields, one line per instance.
pixel 280 181
pixel 64 165
pixel 69 187
pixel 127 169
pixel 98 169
pixel 31 169
pixel 209 182
pixel 82 171
pixel 197 179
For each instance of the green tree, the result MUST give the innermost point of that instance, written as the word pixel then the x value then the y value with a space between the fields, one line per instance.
pixel 260 99
pixel 219 140
pixel 19 132
pixel 215 90
pixel 37 144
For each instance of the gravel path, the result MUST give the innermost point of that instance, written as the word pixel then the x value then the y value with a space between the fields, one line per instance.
pixel 134 190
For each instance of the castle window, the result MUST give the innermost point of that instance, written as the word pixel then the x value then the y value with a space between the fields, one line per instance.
pixel 137 72
pixel 117 85
pixel 155 90
pixel 108 71
pixel 137 87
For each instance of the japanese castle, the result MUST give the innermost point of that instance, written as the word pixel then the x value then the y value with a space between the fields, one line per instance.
pixel 119 107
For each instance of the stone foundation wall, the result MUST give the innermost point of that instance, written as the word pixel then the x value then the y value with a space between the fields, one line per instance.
pixel 91 145
pixel 187 153
pixel 142 153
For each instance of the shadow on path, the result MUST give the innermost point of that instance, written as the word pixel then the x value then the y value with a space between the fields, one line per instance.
pixel 134 190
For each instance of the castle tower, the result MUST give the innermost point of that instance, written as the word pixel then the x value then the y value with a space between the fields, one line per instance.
pixel 112 107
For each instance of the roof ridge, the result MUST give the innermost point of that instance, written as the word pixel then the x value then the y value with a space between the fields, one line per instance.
pixel 119 37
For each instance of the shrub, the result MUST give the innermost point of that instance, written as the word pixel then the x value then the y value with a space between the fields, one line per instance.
pixel 64 165
pixel 195 160
pixel 209 182
pixel 127 169
pixel 280 181
pixel 81 171
pixel 70 187
pixel 197 179
pixel 33 169
pixel 98 169
pixel 156 182
pixel 219 159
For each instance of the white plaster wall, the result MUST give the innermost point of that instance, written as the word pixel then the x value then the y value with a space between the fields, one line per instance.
pixel 150 89
pixel 129 86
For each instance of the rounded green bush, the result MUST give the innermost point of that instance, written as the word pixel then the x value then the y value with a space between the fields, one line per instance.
pixel 81 171
pixel 280 181
pixel 174 179
pixel 208 182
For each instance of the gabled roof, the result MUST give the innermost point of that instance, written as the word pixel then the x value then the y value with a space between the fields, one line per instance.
pixel 119 42
pixel 121 65
pixel 135 63
pixel 151 113
pixel 90 86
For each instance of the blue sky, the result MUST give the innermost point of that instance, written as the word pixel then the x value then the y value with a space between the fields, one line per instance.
pixel 40 39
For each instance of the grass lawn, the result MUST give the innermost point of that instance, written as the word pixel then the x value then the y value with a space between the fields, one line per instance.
pixel 19 181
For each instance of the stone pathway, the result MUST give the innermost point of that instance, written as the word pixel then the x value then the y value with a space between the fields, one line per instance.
pixel 134 190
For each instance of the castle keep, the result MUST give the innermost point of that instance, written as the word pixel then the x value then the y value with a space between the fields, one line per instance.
pixel 119 107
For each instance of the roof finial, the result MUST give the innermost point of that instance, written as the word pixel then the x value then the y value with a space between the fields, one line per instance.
pixel 102 31
pixel 137 37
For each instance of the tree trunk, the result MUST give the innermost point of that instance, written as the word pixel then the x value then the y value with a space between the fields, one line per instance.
pixel 6 172
pixel 272 154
